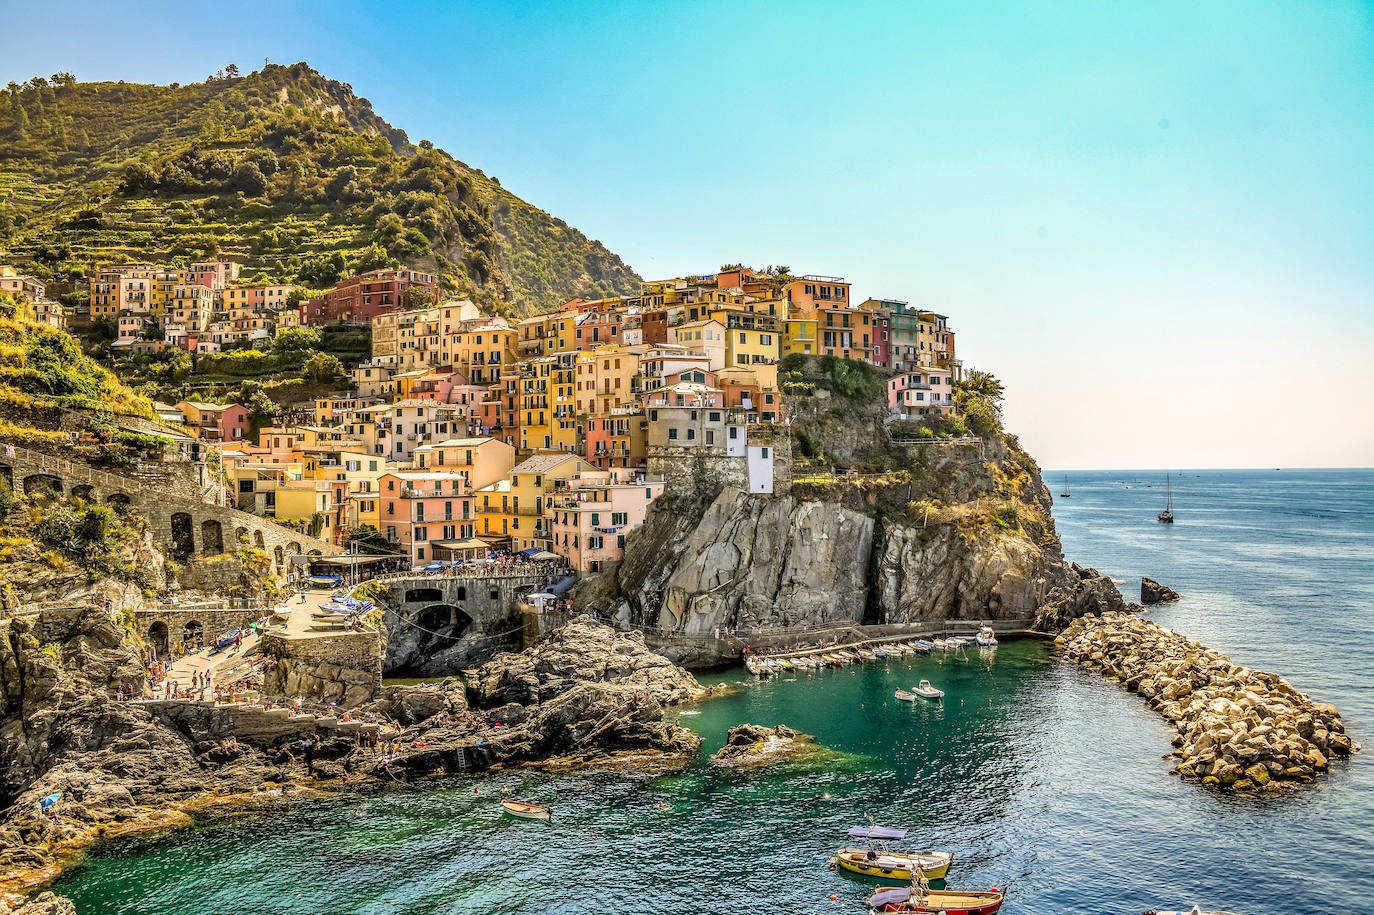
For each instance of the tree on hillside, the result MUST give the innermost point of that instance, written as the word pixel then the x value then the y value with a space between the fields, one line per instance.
pixel 295 340
pixel 417 297
pixel 323 369
pixel 231 71
pixel 374 257
pixel 979 397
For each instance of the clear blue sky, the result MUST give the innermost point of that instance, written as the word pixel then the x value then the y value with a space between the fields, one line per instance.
pixel 1154 220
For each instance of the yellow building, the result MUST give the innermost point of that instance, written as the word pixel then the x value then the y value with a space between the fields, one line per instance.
pixel 799 336
pixel 531 483
pixel 481 352
pixel 481 461
pixel 605 378
pixel 492 507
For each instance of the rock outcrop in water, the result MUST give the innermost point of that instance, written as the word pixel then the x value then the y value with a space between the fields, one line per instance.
pixel 1238 728
pixel 752 746
pixel 1152 592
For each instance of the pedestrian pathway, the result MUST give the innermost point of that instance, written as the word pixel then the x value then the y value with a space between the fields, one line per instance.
pixel 182 672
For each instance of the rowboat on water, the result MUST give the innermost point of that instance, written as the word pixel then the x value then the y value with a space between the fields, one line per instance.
pixel 950 902
pixel 877 860
pixel 926 691
pixel 921 646
pixel 525 811
pixel 881 653
pixel 986 637
pixel 904 696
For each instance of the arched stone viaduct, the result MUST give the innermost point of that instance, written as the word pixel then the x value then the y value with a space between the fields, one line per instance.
pixel 185 528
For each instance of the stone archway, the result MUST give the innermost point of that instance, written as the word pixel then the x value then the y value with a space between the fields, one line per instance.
pixel 241 536
pixel 419 595
pixel 118 501
pixel 7 474
pixel 211 537
pixel 36 483
pixel 183 536
pixel 279 555
pixel 193 635
pixel 258 541
pixel 448 621
pixel 294 548
pixel 85 492
pixel 157 638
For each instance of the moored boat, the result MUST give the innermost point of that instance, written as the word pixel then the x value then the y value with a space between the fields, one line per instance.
pixel 1193 911
pixel 526 811
pixel 905 696
pixel 986 637
pixel 921 646
pixel 950 902
pixel 926 691
pixel 877 860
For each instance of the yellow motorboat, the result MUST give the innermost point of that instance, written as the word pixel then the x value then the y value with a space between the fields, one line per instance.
pixel 877 860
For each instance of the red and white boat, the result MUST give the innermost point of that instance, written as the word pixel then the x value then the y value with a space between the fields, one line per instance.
pixel 950 902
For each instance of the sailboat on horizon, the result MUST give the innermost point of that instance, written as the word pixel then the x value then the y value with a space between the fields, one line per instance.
pixel 1167 516
pixel 1065 493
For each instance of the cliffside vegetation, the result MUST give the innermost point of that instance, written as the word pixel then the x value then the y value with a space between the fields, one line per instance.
pixel 284 169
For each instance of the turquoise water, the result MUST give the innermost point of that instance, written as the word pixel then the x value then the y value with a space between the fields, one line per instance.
pixel 1040 778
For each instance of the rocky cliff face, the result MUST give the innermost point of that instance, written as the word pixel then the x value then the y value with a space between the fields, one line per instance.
pixel 959 535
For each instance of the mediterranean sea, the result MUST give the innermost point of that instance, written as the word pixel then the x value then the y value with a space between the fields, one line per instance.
pixel 1041 778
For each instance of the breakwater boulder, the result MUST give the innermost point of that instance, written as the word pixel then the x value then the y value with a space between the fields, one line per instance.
pixel 1152 592
pixel 1238 729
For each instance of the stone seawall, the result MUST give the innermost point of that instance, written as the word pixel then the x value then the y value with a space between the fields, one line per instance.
pixel 1239 729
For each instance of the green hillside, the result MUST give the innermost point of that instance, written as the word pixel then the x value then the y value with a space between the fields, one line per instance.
pixel 288 171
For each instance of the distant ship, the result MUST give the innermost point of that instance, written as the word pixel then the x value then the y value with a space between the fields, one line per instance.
pixel 1167 516
pixel 1065 493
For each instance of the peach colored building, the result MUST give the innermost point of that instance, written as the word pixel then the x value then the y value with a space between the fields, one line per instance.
pixel 420 509
pixel 589 521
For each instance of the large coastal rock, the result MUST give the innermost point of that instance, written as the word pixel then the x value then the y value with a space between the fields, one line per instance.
pixel 1238 728
pixel 775 561
pixel 585 694
pixel 1152 592
pixel 578 653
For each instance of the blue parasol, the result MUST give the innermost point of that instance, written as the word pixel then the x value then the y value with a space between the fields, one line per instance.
pixel 50 800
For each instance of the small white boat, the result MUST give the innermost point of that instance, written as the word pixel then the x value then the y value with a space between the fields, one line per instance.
pixel 1193 911
pixel 282 610
pixel 905 696
pixel 986 637
pixel 926 691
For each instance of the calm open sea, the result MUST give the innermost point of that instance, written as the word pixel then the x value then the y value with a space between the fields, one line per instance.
pixel 1041 778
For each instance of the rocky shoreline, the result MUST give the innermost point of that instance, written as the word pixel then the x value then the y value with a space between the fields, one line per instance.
pixel 585 695
pixel 1238 729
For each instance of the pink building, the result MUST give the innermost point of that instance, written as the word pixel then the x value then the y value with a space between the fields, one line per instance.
pixel 921 392
pixel 426 513
pixel 216 422
pixel 589 522
pixel 215 274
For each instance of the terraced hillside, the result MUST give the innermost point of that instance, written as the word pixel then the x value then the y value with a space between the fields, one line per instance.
pixel 284 169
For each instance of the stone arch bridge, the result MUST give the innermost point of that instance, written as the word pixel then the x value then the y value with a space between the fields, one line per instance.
pixel 441 623
pixel 184 528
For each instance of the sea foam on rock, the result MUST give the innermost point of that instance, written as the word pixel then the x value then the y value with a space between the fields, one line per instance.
pixel 1240 729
